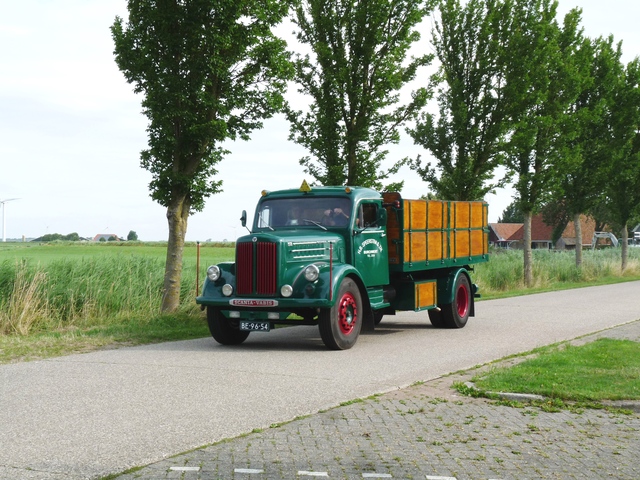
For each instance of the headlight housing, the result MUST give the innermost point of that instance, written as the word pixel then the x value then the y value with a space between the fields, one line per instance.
pixel 311 273
pixel 213 273
pixel 227 290
pixel 286 290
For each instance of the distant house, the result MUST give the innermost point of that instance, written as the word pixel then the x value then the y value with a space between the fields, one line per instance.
pixel 104 237
pixel 506 235
pixel 568 239
pixel 511 235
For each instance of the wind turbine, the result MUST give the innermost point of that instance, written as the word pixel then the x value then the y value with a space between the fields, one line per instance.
pixel 4 224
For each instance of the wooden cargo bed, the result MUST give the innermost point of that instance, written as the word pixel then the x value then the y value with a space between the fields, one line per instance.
pixel 428 234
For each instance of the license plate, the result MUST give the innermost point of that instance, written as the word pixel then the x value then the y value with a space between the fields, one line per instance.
pixel 248 326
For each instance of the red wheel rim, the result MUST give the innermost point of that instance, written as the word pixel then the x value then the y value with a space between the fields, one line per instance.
pixel 347 313
pixel 462 301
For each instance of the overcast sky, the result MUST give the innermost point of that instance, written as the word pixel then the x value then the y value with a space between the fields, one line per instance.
pixel 71 129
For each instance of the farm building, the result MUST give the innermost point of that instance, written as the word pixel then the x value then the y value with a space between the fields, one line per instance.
pixel 106 237
pixel 511 235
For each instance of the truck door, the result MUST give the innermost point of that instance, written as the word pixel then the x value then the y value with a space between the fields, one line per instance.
pixel 370 254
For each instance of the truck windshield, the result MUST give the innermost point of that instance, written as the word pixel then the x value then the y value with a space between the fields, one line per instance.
pixel 303 212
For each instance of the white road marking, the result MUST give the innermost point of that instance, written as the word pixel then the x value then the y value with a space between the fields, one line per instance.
pixel 185 469
pixel 248 470
pixel 435 477
pixel 376 475
pixel 312 474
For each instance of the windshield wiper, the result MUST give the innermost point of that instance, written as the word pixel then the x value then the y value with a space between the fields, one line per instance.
pixel 315 223
pixel 264 223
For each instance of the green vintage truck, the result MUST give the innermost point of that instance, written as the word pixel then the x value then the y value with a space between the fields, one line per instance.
pixel 343 257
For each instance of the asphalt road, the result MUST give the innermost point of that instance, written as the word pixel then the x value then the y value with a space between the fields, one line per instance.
pixel 85 416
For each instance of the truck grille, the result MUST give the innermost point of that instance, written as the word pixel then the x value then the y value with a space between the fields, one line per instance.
pixel 256 270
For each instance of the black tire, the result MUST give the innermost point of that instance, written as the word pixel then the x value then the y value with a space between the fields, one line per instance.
pixel 377 317
pixel 456 313
pixel 435 317
pixel 224 330
pixel 340 325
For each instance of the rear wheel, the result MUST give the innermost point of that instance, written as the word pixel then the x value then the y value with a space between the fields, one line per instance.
pixel 456 313
pixel 435 316
pixel 224 330
pixel 340 325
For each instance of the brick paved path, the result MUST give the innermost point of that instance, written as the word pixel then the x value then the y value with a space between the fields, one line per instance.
pixel 411 434
pixel 426 431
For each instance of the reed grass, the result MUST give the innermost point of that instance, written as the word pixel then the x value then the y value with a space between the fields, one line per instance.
pixel 84 293
pixel 504 273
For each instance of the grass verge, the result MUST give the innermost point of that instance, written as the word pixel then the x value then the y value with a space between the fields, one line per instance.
pixel 160 328
pixel 606 369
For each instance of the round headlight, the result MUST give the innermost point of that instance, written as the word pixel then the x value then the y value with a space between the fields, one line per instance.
pixel 286 290
pixel 213 273
pixel 227 290
pixel 311 273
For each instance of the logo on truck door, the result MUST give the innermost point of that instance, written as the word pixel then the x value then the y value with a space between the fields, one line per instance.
pixel 370 247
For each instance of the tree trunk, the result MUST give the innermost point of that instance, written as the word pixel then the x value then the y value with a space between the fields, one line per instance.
pixel 528 257
pixel 578 227
pixel 177 216
pixel 624 246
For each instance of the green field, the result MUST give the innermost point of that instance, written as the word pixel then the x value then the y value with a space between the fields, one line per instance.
pixel 63 296
pixel 49 252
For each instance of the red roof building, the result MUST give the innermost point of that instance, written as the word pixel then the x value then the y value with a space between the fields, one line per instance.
pixel 511 235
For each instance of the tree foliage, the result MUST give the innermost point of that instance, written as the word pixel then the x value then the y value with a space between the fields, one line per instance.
pixel 623 170
pixel 353 76
pixel 579 171
pixel 52 237
pixel 543 80
pixel 210 70
pixel 511 214
pixel 465 137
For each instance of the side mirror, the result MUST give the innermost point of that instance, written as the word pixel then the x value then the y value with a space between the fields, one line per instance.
pixel 382 217
pixel 243 218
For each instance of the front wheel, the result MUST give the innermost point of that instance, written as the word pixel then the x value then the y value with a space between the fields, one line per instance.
pixel 340 325
pixel 456 313
pixel 224 330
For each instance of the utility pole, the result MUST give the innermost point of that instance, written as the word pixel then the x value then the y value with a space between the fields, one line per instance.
pixel 4 222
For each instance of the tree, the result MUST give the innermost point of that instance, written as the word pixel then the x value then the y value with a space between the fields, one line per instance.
pixel 623 172
pixel 210 71
pixel 132 236
pixel 512 214
pixel 353 76
pixel 465 138
pixel 72 237
pixel 580 171
pixel 542 82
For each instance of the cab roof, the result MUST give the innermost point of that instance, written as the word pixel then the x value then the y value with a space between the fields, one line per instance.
pixel 355 193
